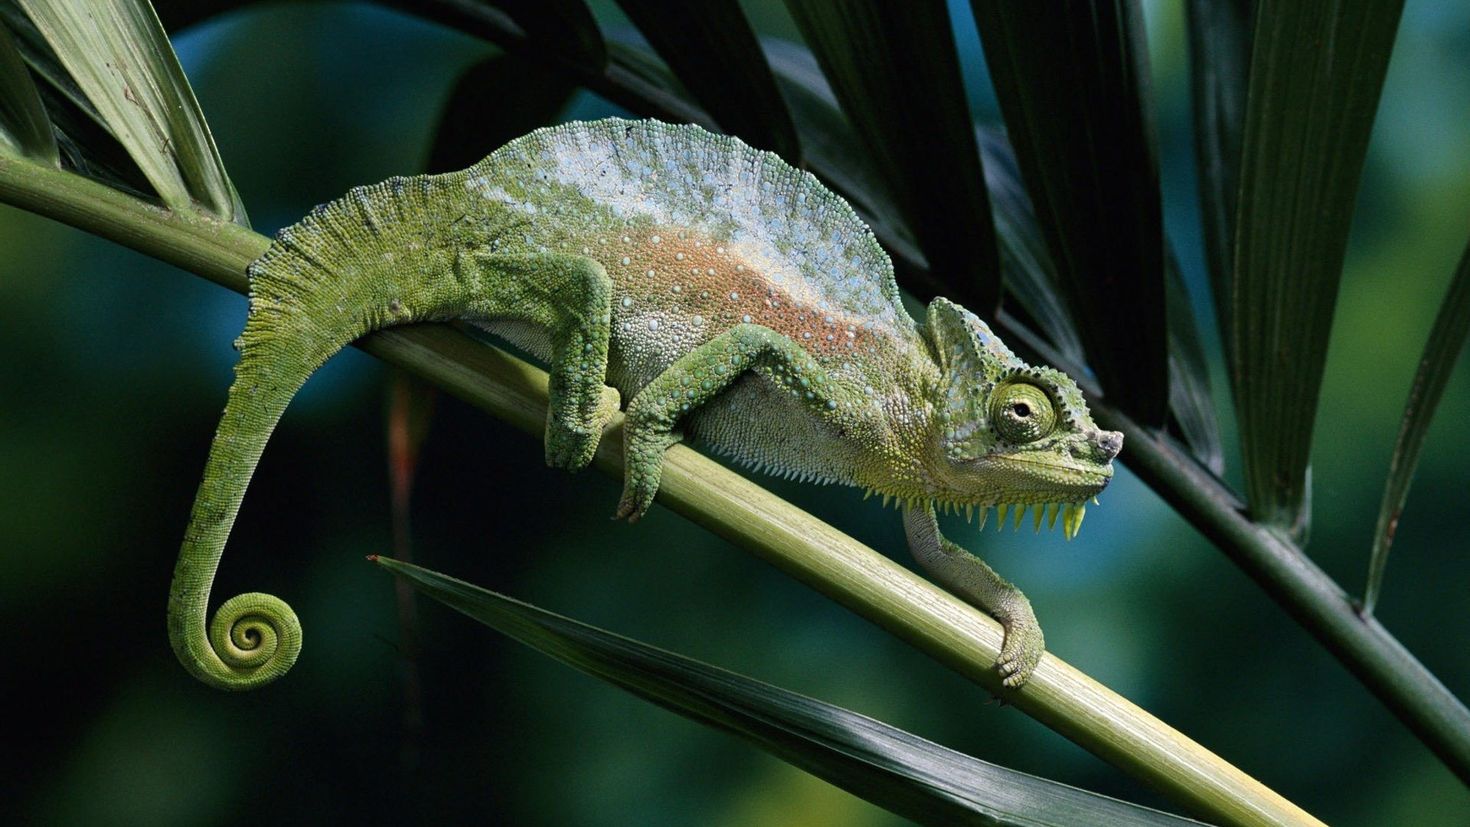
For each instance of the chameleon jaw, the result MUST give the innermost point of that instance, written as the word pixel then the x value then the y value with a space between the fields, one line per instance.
pixel 1072 513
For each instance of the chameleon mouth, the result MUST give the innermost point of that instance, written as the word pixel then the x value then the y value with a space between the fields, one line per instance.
pixel 1070 512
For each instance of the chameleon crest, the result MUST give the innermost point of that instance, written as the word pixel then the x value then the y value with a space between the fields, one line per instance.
pixel 722 293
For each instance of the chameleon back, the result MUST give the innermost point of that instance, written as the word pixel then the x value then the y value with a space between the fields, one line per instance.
pixel 699 232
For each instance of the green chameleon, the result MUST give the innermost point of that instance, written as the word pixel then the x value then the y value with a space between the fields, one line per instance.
pixel 719 290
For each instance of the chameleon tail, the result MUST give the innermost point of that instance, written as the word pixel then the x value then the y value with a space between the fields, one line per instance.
pixel 323 283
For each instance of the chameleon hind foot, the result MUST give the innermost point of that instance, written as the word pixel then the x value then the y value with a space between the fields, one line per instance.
pixel 570 445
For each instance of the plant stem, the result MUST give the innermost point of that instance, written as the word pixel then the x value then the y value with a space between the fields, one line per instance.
pixel 1368 650
pixel 931 619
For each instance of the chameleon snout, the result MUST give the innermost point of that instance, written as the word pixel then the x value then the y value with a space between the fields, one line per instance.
pixel 1107 444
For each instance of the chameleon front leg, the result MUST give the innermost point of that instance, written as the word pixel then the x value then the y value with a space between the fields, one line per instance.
pixel 968 577
pixel 695 379
pixel 295 324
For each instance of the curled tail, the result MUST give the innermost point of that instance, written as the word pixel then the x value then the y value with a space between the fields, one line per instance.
pixel 355 265
pixel 406 250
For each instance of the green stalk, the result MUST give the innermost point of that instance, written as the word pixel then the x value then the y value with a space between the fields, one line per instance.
pixel 726 503
pixel 1314 599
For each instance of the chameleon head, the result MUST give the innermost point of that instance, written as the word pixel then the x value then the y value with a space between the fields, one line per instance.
pixel 1007 434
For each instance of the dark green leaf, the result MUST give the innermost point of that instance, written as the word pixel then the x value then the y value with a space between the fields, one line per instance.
pixel 1025 265
pixel 1446 340
pixel 120 59
pixel 84 144
pixel 497 99
pixel 1219 56
pixel 562 31
pixel 1072 82
pixel 712 49
pixel 1191 404
pixel 833 151
pixel 1317 68
pixel 894 769
pixel 896 72
pixel 24 128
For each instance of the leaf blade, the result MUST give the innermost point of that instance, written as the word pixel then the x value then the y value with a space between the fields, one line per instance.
pixel 712 49
pixel 25 128
pixel 120 58
pixel 1219 59
pixel 1316 72
pixel 1441 351
pixel 1070 84
pixel 895 70
pixel 887 766
pixel 500 98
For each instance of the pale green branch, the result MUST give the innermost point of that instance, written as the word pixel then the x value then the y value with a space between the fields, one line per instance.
pixel 726 503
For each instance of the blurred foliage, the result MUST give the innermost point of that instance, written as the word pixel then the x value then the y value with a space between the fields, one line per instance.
pixel 115 366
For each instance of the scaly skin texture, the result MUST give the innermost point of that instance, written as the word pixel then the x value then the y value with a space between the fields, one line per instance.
pixel 724 294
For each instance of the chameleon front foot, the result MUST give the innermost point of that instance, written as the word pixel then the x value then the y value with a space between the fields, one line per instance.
pixel 644 462
pixel 1022 646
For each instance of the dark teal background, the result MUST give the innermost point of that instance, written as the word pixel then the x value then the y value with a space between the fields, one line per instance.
pixel 113 369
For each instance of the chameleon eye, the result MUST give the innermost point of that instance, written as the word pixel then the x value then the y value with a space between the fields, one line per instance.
pixel 1022 413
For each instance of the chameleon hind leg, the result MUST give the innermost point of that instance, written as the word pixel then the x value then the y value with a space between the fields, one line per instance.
pixel 295 324
pixel 694 379
pixel 571 297
pixel 968 577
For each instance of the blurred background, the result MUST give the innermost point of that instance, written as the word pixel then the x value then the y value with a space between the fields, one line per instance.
pixel 113 369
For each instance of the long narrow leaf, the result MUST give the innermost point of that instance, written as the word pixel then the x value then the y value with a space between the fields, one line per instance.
pixel 1317 68
pixel 493 101
pixel 563 30
pixel 1025 265
pixel 24 128
pixel 710 46
pixel 894 769
pixel 1219 58
pixel 1071 80
pixel 833 151
pixel 896 72
pixel 1191 403
pixel 120 58
pixel 1446 340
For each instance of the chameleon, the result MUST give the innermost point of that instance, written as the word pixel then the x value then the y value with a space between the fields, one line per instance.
pixel 724 294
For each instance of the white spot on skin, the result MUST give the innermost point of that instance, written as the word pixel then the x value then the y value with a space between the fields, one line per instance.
pixel 745 318
pixel 678 256
pixel 677 288
pixel 653 324
pixel 627 240
pixel 740 268
pixel 710 271
pixel 655 239
pixel 650 275
pixel 720 250
pixel 734 297
pixel 627 301
pixel 627 261
pixel 698 319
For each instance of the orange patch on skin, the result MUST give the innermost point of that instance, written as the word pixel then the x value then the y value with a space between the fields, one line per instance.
pixel 703 278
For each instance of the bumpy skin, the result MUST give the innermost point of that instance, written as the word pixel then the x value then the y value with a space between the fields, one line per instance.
pixel 723 293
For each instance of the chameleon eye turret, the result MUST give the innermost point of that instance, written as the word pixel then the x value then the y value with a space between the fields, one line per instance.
pixel 723 294
pixel 1022 413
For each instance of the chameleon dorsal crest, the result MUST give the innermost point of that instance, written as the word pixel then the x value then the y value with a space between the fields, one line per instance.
pixel 723 294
